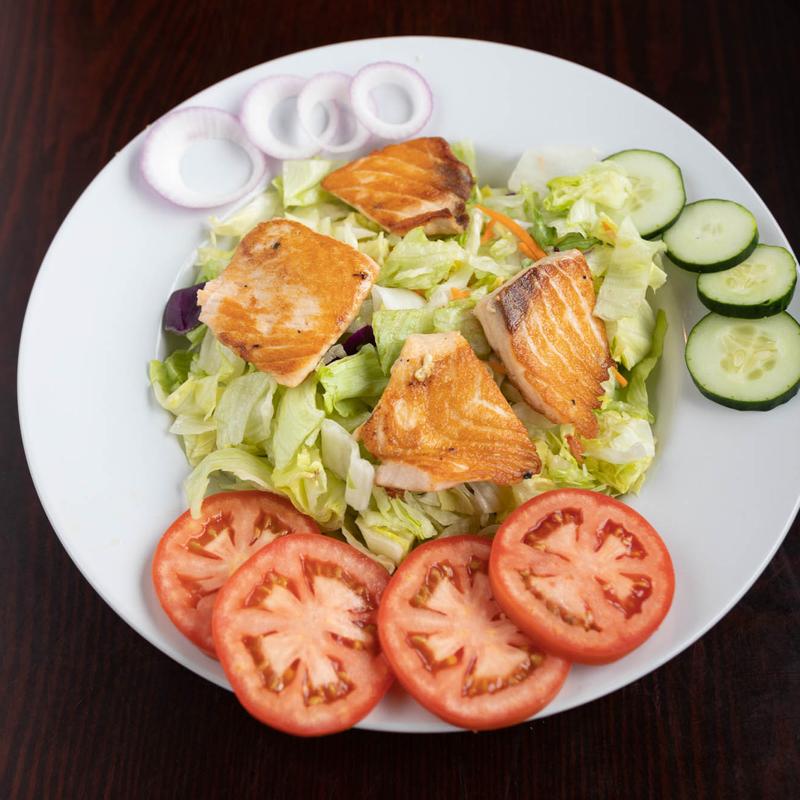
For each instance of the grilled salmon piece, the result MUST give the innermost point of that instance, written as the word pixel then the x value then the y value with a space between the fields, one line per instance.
pixel 554 349
pixel 442 420
pixel 286 297
pixel 414 184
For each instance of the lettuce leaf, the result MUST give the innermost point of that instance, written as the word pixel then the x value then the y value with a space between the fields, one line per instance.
pixel 232 460
pixel 393 299
pixel 341 455
pixel 458 316
pixel 300 181
pixel 417 262
pixel 297 421
pixel 245 410
pixel 629 338
pixel 604 183
pixel 635 395
pixel 539 165
pixel 392 328
pixel 167 375
pixel 311 488
pixel 631 269
pixel 356 376
pixel 264 206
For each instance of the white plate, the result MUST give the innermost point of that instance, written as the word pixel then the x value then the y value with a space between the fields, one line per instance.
pixel 723 490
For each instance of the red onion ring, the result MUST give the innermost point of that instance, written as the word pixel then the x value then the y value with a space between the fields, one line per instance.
pixel 407 78
pixel 168 139
pixel 329 88
pixel 259 104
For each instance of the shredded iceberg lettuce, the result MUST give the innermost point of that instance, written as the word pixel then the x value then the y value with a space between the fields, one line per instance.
pixel 417 262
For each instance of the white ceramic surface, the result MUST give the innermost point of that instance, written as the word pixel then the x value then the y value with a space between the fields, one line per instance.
pixel 722 492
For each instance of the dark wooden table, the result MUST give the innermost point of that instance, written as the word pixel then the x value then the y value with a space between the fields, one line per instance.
pixel 89 709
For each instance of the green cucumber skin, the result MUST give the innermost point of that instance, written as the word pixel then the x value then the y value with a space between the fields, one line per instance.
pixel 656 233
pixel 766 404
pixel 748 405
pixel 720 265
pixel 758 311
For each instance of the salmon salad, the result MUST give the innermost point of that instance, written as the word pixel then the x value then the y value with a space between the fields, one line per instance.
pixel 405 351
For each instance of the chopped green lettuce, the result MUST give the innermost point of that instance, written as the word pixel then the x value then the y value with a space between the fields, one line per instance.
pixel 629 338
pixel 341 455
pixel 631 269
pixel 297 421
pixel 392 328
pixel 417 262
pixel 311 488
pixel 262 207
pixel 245 409
pixel 458 316
pixel 300 181
pixel 357 376
pixel 604 183
pixel 636 392
pixel 233 460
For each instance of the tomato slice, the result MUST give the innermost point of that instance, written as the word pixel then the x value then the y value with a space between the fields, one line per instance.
pixel 195 556
pixel 452 647
pixel 295 633
pixel 584 575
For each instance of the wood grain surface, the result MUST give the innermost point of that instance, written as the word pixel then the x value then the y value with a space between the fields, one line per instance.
pixel 89 709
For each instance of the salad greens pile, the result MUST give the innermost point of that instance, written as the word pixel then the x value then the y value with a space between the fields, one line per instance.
pixel 240 429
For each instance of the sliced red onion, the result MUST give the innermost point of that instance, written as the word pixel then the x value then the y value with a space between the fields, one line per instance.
pixel 263 99
pixel 182 313
pixel 408 79
pixel 169 138
pixel 329 88
pixel 354 342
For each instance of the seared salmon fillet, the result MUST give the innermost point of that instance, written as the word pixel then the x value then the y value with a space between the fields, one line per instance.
pixel 442 420
pixel 286 297
pixel 414 184
pixel 555 350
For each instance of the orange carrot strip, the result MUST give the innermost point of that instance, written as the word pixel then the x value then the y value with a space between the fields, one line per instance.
pixel 620 379
pixel 527 244
pixel 487 232
pixel 458 294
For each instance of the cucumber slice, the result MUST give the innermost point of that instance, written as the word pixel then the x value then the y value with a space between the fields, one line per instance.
pixel 760 286
pixel 659 194
pixel 751 365
pixel 711 235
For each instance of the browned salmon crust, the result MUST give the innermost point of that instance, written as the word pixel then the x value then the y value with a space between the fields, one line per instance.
pixel 414 184
pixel 286 297
pixel 442 420
pixel 554 348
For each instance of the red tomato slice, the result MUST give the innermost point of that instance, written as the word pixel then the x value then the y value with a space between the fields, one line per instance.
pixel 453 648
pixel 584 575
pixel 295 633
pixel 195 556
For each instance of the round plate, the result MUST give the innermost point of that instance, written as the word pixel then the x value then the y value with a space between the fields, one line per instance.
pixel 722 491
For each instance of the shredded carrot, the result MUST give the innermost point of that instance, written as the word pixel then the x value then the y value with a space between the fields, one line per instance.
pixel 620 379
pixel 458 294
pixel 497 366
pixel 527 244
pixel 487 232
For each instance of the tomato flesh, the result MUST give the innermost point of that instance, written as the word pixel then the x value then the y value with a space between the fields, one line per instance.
pixel 196 556
pixel 453 648
pixel 295 631
pixel 583 574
